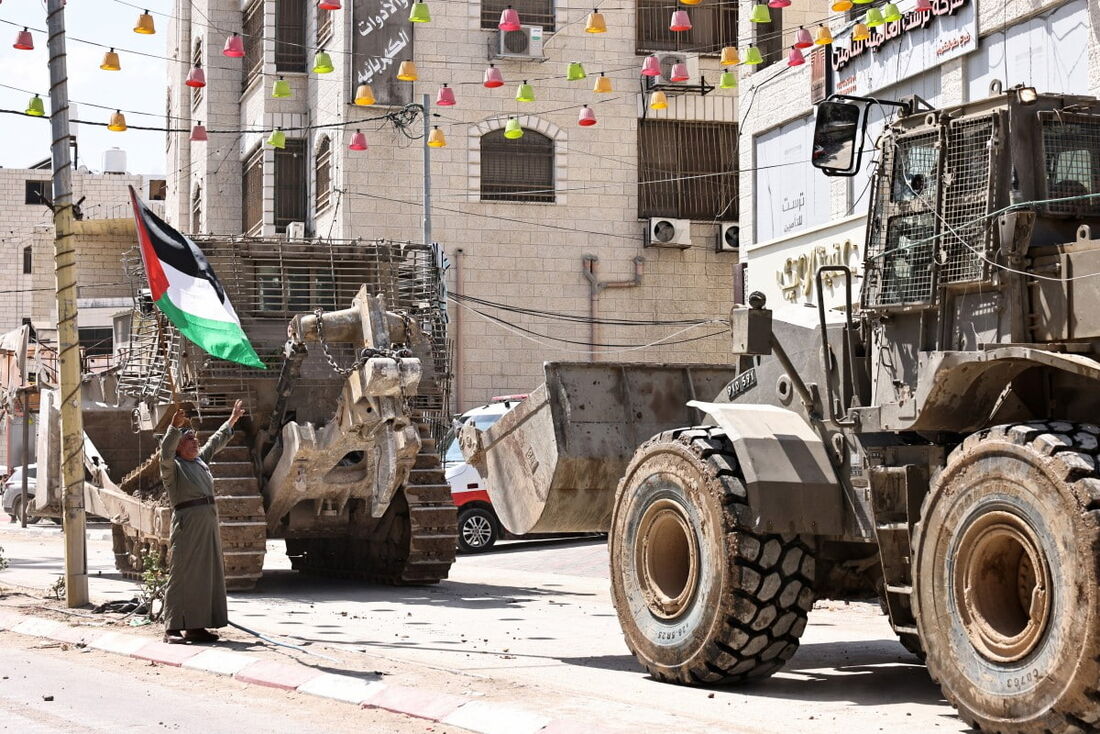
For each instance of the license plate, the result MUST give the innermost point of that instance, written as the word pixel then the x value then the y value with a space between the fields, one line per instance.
pixel 741 384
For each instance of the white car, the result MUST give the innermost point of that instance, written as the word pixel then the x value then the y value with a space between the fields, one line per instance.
pixel 478 525
pixel 13 493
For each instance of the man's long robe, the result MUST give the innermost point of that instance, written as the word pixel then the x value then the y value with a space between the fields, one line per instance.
pixel 195 595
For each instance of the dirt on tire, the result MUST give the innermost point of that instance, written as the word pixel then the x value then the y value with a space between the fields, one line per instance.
pixel 1006 593
pixel 731 605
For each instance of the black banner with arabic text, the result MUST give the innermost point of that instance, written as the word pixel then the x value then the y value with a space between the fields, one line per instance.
pixel 382 38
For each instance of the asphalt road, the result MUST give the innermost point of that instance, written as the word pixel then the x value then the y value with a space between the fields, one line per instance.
pixel 532 624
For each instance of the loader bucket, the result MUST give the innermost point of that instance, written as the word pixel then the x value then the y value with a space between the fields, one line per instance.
pixel 554 462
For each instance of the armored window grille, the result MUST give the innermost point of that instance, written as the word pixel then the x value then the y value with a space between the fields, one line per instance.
pixel 323 174
pixel 517 170
pixel 713 26
pixel 769 38
pixel 687 170
pixel 324 26
pixel 252 208
pixel 196 60
pixel 290 35
pixel 966 230
pixel 252 28
pixel 291 176
pixel 196 210
pixel 531 12
pixel 1071 153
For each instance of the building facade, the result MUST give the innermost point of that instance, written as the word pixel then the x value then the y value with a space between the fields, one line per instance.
pixel 793 218
pixel 553 223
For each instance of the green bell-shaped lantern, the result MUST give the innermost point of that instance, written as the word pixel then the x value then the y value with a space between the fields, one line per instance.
pixel 419 13
pixel 575 72
pixel 874 18
pixel 322 63
pixel 753 57
pixel 890 13
pixel 760 14
pixel 526 93
pixel 512 130
pixel 280 89
pixel 728 80
pixel 277 139
pixel 35 107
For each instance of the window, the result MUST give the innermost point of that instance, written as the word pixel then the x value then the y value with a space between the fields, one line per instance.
pixel 291 179
pixel 290 35
pixel 95 341
pixel 28 260
pixel 531 12
pixel 253 31
pixel 323 174
pixel 769 38
pixel 713 26
pixel 687 169
pixel 38 192
pixel 252 188
pixel 158 189
pixel 517 170
pixel 324 26
pixel 196 210
pixel 196 60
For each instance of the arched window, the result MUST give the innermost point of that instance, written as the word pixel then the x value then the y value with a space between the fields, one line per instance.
pixel 517 170
pixel 196 210
pixel 196 60
pixel 323 174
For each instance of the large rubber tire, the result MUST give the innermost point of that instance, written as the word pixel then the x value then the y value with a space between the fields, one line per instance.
pixel 1006 577
pixel 477 529
pixel 701 598
pixel 17 508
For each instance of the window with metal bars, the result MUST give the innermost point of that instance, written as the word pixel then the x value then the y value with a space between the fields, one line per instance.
pixel 531 12
pixel 291 178
pixel 517 170
pixel 290 35
pixel 324 26
pixel 196 60
pixel 252 190
pixel 252 28
pixel 687 170
pixel 769 38
pixel 196 210
pixel 713 26
pixel 322 176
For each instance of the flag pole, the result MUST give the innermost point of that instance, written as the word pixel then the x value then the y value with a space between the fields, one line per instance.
pixel 72 429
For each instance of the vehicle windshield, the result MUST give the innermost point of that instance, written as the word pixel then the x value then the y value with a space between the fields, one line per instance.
pixel 454 453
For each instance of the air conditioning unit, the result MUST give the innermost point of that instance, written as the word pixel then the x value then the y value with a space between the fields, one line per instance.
pixel 296 231
pixel 729 236
pixel 670 59
pixel 662 232
pixel 526 43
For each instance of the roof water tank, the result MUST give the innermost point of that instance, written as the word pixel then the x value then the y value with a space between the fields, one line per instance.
pixel 114 160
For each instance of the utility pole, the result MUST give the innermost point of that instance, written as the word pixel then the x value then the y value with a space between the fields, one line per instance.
pixel 72 428
pixel 427 101
pixel 24 392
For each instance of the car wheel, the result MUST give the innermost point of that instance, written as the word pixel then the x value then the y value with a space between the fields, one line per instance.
pixel 17 508
pixel 477 530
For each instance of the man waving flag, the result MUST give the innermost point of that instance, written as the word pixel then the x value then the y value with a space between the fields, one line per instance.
pixel 187 291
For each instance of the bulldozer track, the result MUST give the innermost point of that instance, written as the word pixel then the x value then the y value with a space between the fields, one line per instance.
pixel 412 543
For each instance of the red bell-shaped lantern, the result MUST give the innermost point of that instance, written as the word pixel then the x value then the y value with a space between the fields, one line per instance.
pixel 358 141
pixel 196 77
pixel 679 72
pixel 24 41
pixel 446 96
pixel 493 78
pixel 803 39
pixel 329 4
pixel 198 134
pixel 680 21
pixel 651 66
pixel 795 58
pixel 234 47
pixel 509 19
pixel 587 117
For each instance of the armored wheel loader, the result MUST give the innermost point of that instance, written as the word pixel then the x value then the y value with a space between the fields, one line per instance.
pixel 938 447
pixel 337 455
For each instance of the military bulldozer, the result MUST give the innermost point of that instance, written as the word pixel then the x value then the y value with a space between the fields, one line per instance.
pixel 937 447
pixel 337 455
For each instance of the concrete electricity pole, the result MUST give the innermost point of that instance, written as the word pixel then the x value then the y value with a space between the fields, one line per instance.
pixel 427 171
pixel 72 428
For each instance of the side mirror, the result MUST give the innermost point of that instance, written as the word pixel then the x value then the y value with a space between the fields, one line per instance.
pixel 838 137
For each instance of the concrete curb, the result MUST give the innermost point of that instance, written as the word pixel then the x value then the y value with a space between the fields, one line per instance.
pixel 483 717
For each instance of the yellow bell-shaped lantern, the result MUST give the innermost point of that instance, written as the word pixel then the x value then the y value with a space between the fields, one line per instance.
pixel 730 57
pixel 407 72
pixel 603 84
pixel 110 61
pixel 824 36
pixel 144 24
pixel 595 23
pixel 118 122
pixel 364 95
pixel 842 6
pixel 513 131
pixel 436 138
pixel 322 63
pixel 658 101
pixel 861 32
pixel 35 107
pixel 277 139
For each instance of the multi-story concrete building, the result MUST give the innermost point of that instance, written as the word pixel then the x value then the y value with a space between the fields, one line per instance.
pixel 793 218
pixel 556 221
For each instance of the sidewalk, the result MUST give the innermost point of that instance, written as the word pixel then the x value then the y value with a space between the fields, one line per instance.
pixel 364 690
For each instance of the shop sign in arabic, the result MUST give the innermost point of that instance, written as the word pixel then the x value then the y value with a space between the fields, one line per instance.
pixel 382 39
pixel 796 276
pixel 904 48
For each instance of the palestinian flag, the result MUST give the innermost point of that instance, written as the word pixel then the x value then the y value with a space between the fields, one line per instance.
pixel 186 289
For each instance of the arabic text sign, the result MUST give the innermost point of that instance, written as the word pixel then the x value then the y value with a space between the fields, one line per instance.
pixel 905 48
pixel 382 38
